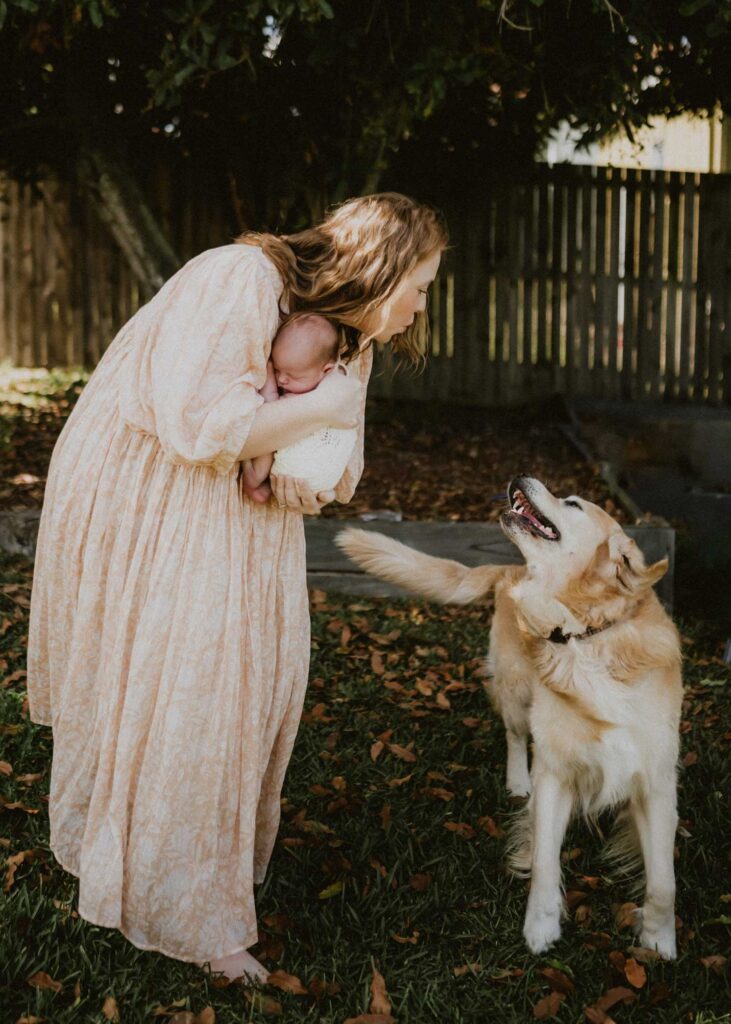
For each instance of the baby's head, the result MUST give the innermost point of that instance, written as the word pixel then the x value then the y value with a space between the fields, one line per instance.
pixel 302 353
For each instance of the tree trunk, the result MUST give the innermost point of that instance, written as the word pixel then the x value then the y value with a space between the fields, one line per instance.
pixel 119 202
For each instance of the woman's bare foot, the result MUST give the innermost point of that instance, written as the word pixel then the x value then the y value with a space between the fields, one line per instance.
pixel 240 965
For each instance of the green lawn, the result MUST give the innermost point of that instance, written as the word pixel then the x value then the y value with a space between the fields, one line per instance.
pixel 367 872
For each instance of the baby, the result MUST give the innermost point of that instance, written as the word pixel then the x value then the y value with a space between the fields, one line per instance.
pixel 303 351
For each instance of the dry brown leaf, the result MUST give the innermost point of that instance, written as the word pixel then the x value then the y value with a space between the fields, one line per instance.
pixel 626 915
pixel 29 1020
pixel 371 1018
pixel 442 701
pixel 461 828
pixel 405 940
pixel 31 777
pixel 262 1003
pixel 558 981
pixel 421 881
pixel 13 862
pixel 548 1006
pixel 377 663
pixel 183 1017
pixel 319 988
pixel 206 1016
pixel 438 792
pixel 635 973
pixel 618 994
pixel 716 962
pixel 385 815
pixel 490 827
pixel 6 768
pixel 376 749
pixel 287 983
pixel 472 968
pixel 42 980
pixel 405 753
pixel 400 782
pixel 380 1003
pixel 110 1009
pixel 690 758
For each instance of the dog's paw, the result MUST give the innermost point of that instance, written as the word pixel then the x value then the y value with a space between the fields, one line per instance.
pixel 541 930
pixel 656 930
pixel 518 787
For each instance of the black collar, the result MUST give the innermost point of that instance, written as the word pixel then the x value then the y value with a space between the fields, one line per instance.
pixel 557 636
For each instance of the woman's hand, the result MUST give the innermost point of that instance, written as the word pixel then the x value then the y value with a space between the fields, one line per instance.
pixel 339 400
pixel 298 496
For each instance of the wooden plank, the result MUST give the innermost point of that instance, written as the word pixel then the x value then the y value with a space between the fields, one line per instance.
pixel 586 312
pixel 569 355
pixel 672 354
pixel 617 197
pixel 716 277
pixel 703 230
pixel 628 328
pixel 656 348
pixel 645 239
pixel 558 229
pixel 687 321
pixel 528 274
pixel 598 352
pixel 542 252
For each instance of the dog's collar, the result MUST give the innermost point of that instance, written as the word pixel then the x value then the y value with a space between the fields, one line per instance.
pixel 557 635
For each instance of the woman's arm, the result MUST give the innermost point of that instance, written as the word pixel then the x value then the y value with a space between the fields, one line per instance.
pixel 335 401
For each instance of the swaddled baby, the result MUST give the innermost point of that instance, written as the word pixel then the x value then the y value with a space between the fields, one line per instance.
pixel 303 352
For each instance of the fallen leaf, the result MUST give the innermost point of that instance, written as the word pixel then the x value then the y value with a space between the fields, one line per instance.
pixel 376 749
pixel 377 663
pixel 405 753
pixel 287 983
pixel 472 968
pixel 461 828
pixel 371 1018
pixel 380 1003
pixel 548 1006
pixel 279 923
pixel 385 815
pixel 13 862
pixel 400 782
pixel 421 881
pixel 405 940
pixel 5 768
pixel 42 980
pixel 110 1009
pixel 690 758
pixel 644 956
pixel 716 962
pixel 635 973
pixel 490 827
pixel 319 988
pixel 558 981
pixel 437 792
pixel 331 890
pixel 626 915
pixel 262 1003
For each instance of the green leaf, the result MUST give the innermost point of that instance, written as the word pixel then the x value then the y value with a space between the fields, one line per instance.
pixel 331 890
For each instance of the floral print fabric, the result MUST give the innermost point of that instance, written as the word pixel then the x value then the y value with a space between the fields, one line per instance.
pixel 169 633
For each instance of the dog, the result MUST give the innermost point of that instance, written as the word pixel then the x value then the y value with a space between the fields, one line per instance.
pixel 582 656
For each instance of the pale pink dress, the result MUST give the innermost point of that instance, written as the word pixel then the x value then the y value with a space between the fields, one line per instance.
pixel 169 628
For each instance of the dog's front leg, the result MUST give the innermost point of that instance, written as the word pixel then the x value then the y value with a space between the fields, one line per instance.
pixel 518 776
pixel 550 810
pixel 656 819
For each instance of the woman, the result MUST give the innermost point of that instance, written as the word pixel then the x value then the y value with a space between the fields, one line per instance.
pixel 169 626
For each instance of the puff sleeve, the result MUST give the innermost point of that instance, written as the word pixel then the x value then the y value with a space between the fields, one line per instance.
pixel 360 367
pixel 199 356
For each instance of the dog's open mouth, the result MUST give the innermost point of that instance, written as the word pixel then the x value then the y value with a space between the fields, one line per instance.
pixel 528 516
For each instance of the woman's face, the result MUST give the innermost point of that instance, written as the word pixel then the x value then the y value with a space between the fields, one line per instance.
pixel 408 300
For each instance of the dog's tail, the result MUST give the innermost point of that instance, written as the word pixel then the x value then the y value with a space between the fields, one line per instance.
pixel 438 578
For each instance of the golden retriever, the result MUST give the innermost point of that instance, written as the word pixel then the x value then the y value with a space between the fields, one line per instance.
pixel 583 657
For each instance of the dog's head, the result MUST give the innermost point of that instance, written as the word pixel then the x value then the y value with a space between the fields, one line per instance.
pixel 576 553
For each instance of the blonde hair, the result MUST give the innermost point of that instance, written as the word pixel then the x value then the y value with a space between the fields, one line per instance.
pixel 348 266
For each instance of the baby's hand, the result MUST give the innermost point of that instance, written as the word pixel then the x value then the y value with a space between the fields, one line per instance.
pixel 270 392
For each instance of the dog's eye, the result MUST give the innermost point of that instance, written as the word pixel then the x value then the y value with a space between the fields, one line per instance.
pixel 572 503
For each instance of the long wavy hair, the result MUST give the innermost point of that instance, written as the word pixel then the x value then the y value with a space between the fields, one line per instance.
pixel 350 265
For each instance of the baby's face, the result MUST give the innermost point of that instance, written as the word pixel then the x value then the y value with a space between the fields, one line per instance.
pixel 296 375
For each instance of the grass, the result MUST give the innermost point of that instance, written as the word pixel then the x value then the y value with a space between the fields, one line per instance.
pixel 365 874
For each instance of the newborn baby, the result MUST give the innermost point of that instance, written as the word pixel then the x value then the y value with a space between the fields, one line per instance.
pixel 303 352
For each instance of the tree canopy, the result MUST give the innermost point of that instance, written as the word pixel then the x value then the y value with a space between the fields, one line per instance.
pixel 292 104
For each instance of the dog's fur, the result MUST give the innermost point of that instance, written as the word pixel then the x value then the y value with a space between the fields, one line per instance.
pixel 603 708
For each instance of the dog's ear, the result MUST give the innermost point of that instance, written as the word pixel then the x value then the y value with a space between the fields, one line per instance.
pixel 629 563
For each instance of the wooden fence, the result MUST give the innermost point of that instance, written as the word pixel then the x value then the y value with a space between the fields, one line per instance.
pixel 583 280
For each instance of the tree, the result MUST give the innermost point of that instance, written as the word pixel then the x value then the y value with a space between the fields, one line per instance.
pixel 293 104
